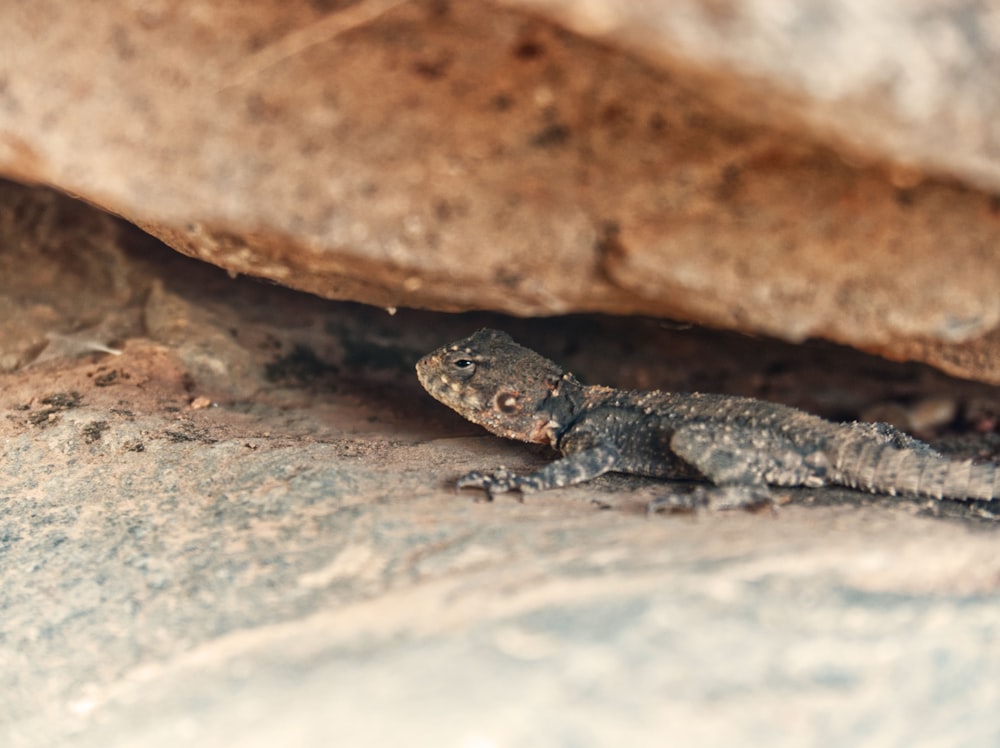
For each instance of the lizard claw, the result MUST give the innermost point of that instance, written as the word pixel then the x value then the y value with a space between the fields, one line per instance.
pixel 476 479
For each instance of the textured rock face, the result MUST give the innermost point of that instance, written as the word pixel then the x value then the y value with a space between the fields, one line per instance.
pixel 912 81
pixel 467 156
pixel 228 518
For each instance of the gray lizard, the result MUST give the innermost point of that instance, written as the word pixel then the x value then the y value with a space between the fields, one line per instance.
pixel 739 444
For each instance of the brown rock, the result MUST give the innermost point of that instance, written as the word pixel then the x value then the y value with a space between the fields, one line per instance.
pixel 230 519
pixel 460 156
pixel 907 81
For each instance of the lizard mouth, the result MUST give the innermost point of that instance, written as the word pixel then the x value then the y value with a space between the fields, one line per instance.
pixel 422 367
pixel 437 384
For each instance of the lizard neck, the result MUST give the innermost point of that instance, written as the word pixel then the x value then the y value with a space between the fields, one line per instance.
pixel 562 407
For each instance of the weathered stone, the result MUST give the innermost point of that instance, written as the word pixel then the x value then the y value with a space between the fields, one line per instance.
pixel 912 83
pixel 467 156
pixel 241 529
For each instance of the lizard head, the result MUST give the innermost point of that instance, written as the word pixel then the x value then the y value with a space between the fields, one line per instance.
pixel 496 383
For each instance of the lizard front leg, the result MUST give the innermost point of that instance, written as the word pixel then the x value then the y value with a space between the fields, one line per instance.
pixel 574 468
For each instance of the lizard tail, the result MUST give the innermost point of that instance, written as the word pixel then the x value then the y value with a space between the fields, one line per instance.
pixel 885 468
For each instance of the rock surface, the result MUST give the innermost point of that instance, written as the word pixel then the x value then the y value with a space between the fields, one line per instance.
pixel 760 167
pixel 909 82
pixel 227 518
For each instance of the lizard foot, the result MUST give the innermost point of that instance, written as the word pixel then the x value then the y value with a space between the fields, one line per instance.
pixel 714 499
pixel 499 481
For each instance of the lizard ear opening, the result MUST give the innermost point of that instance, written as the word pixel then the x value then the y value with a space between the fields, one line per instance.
pixel 507 402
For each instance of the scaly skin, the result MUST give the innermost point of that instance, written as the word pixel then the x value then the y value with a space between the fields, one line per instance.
pixel 732 442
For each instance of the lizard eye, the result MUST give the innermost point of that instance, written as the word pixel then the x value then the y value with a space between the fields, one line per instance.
pixel 463 367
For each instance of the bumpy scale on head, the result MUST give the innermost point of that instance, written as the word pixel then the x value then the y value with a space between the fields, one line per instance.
pixel 494 382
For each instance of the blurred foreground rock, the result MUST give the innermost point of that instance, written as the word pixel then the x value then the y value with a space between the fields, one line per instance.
pixel 227 519
pixel 774 169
